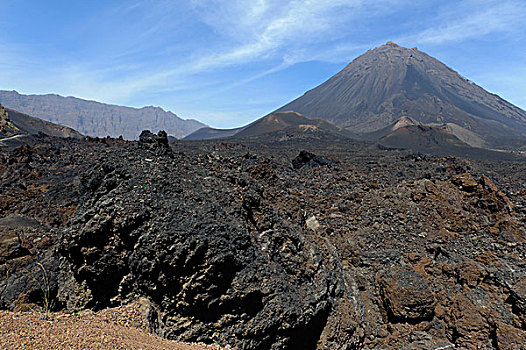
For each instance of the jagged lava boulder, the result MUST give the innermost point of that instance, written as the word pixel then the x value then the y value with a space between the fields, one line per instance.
pixel 155 223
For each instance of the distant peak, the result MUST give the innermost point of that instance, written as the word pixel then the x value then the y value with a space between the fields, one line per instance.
pixel 288 113
pixel 388 46
pixel 392 44
pixel 152 108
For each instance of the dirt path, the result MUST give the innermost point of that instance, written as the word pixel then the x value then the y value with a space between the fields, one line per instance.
pixel 10 138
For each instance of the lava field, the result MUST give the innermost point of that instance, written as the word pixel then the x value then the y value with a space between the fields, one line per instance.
pixel 298 243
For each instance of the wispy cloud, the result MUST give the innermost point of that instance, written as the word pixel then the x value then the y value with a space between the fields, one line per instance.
pixel 265 28
pixel 244 32
pixel 475 19
pixel 288 32
pixel 253 31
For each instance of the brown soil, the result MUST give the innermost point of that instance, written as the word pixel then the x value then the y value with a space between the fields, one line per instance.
pixel 119 328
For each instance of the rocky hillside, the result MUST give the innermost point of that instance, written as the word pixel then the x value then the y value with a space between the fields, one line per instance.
pixel 98 119
pixel 7 128
pixel 292 244
pixel 392 82
pixel 14 124
pixel 31 125
pixel 208 133
pixel 274 124
pixel 287 122
pixel 404 134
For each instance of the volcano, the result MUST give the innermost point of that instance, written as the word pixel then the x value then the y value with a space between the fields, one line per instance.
pixel 391 83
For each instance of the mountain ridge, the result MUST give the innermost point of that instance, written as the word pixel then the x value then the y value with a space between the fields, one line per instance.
pixel 98 119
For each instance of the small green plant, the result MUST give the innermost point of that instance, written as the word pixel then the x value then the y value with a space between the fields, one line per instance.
pixel 45 288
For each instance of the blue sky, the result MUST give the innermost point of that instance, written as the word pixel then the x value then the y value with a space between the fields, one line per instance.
pixel 227 62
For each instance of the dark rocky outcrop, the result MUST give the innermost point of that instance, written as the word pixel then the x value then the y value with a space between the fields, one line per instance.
pixel 155 143
pixel 308 159
pixel 194 243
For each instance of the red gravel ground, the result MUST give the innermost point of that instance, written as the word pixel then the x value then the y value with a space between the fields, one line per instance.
pixel 119 328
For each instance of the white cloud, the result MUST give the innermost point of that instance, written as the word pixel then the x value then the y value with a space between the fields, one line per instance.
pixel 265 28
pixel 244 31
pixel 251 30
pixel 474 19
